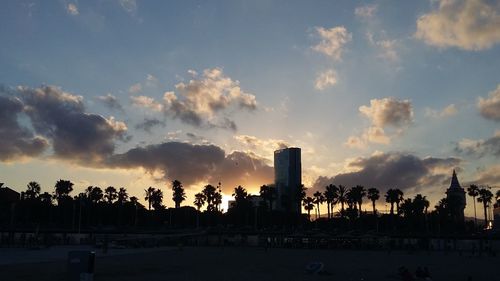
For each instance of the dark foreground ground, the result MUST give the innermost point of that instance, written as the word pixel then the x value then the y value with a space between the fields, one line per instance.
pixel 248 264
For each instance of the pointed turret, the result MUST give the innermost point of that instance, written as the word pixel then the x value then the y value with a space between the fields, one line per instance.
pixel 454 181
pixel 456 199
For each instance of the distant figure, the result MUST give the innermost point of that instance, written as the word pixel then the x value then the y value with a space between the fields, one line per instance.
pixel 105 244
pixel 419 273
pixel 427 275
pixel 405 274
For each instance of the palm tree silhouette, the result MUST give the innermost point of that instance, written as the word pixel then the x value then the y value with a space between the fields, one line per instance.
pixel 420 204
pixel 157 199
pixel 178 193
pixel 308 204
pixel 110 194
pixel 342 198
pixel 209 192
pixel 33 190
pixel 240 195
pixel 473 191
pixel 62 190
pixel 497 198
pixel 373 194
pixel 199 200
pixel 149 196
pixel 358 192
pixel 94 194
pixel 485 197
pixel 331 195
pixel 318 200
pixel 268 193
pixel 394 196
pixel 122 196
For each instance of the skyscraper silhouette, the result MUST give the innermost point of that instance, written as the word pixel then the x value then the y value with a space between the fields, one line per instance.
pixel 288 179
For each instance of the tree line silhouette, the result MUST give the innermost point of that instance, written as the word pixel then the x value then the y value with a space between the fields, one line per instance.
pixel 112 209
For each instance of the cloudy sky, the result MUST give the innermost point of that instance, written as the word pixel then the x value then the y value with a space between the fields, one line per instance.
pixel 387 94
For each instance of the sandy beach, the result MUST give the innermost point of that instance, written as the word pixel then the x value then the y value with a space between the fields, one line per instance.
pixel 216 263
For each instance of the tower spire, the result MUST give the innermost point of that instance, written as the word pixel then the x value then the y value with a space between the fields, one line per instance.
pixel 454 181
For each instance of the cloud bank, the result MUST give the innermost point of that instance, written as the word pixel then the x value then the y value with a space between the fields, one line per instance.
pixel 405 171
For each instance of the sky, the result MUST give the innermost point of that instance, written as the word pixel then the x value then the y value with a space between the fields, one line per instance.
pixel 386 94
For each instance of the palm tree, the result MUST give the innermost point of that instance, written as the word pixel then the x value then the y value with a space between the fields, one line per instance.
pixel 110 194
pixel 420 204
pixel 157 199
pixel 331 195
pixel 62 190
pixel 342 198
pixel 394 196
pixel 240 195
pixel 199 200
pixel 218 200
pixel 209 192
pixel 308 204
pixel 485 197
pixel 358 193
pixel 268 193
pixel 46 198
pixel 473 191
pixel 149 196
pixel 178 193
pixel 122 195
pixel 407 208
pixel 33 190
pixel 94 194
pixel 373 194
pixel 318 200
pixel 497 197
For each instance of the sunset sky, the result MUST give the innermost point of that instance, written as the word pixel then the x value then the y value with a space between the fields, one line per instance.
pixel 386 94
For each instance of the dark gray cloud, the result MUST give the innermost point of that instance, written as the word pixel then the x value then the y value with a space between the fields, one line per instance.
pixel 394 170
pixel 149 123
pixel 111 102
pixel 74 134
pixel 241 168
pixel 192 163
pixel 480 148
pixel 16 141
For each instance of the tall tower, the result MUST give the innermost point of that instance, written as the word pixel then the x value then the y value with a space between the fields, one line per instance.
pixel 288 179
pixel 455 196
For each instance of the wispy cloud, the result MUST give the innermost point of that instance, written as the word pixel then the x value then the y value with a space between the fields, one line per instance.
pixel 332 41
pixel 325 79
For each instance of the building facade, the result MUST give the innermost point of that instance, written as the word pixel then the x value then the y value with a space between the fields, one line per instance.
pixel 288 179
pixel 455 195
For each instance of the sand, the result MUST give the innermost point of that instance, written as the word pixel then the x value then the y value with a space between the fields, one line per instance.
pixel 213 263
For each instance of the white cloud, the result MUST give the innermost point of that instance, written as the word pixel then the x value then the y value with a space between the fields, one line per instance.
pixel 465 24
pixel 325 79
pixel 387 47
pixel 135 89
pixel 490 107
pixel 388 111
pixel 204 102
pixel 366 11
pixel 332 41
pixel 448 111
pixel 147 102
pixel 72 9
pixel 383 113
pixel 130 6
